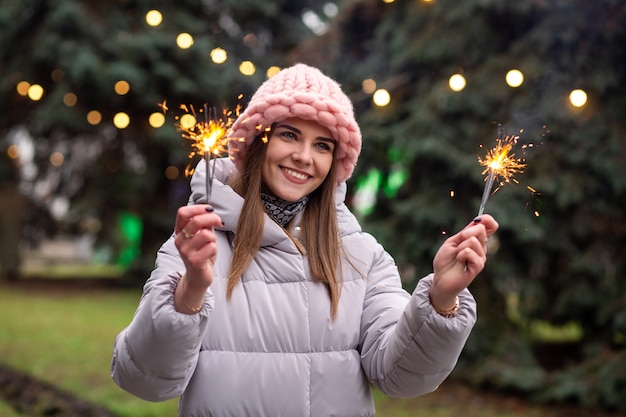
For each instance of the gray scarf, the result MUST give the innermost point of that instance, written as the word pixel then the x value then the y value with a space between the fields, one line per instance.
pixel 282 211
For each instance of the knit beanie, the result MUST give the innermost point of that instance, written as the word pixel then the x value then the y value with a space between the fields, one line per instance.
pixel 304 92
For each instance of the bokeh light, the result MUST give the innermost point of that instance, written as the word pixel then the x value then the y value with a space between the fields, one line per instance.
pixel 94 117
pixel 578 98
pixel 122 87
pixel 381 97
pixel 171 172
pixel 457 82
pixel 35 92
pixel 368 86
pixel 219 55
pixel 22 88
pixel 57 159
pixel 514 78
pixel 247 68
pixel 184 40
pixel 121 120
pixel 187 121
pixel 156 120
pixel 271 71
pixel 13 151
pixel 57 75
pixel 154 18
pixel 70 99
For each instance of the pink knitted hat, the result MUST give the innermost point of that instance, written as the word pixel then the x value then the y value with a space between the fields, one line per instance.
pixel 300 91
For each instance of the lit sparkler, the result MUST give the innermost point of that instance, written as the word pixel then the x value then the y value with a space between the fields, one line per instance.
pixel 500 164
pixel 207 136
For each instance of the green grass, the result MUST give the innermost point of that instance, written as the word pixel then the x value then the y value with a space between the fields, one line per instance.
pixel 7 411
pixel 65 337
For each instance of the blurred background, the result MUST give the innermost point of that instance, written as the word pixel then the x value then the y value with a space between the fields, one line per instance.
pixel 92 170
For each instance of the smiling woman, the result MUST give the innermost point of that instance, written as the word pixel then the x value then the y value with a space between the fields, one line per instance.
pixel 298 158
pixel 272 300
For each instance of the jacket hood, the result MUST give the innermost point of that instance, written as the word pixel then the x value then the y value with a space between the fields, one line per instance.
pixel 227 203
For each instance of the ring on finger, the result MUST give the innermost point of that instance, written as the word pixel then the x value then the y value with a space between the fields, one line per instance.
pixel 186 234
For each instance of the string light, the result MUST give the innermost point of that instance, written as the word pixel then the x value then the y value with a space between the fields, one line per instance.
pixel 156 120
pixel 381 97
pixel 457 82
pixel 22 88
pixel 247 68
pixel 218 55
pixel 184 41
pixel 121 120
pixel 57 159
pixel 70 99
pixel 94 117
pixel 368 86
pixel 35 92
pixel 154 18
pixel 514 78
pixel 271 71
pixel 578 98
pixel 122 87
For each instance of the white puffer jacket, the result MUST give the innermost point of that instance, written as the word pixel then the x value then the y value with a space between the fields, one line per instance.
pixel 273 350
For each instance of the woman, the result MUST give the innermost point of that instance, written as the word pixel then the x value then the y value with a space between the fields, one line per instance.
pixel 272 301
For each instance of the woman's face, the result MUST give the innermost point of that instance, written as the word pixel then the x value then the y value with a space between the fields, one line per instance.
pixel 298 158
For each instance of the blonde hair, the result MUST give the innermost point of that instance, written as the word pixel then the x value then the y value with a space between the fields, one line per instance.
pixel 320 232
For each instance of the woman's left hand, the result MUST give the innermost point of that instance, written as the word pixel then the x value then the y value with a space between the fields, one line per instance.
pixel 459 260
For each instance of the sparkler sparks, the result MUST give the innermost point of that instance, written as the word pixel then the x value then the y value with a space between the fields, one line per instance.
pixel 208 137
pixel 500 164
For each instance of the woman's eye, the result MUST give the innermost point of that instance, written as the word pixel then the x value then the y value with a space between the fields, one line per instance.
pixel 324 146
pixel 288 135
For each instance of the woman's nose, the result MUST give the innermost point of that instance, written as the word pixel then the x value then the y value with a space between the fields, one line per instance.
pixel 303 154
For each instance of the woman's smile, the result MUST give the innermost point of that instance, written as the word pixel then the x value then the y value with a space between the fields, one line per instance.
pixel 298 158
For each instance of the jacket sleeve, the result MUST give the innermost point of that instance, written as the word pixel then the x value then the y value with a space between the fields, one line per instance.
pixel 155 356
pixel 408 349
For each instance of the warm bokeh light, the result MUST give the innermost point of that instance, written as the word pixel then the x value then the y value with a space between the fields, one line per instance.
pixel 514 78
pixel 187 121
pixel 381 97
pixel 122 87
pixel 171 172
pixel 271 71
pixel 247 68
pixel 250 40
pixel 22 88
pixel 578 98
pixel 156 120
pixel 457 82
pixel 368 86
pixel 57 75
pixel 184 40
pixel 121 120
pixel 57 159
pixel 452 193
pixel 35 92
pixel 13 151
pixel 154 18
pixel 219 55
pixel 70 99
pixel 94 117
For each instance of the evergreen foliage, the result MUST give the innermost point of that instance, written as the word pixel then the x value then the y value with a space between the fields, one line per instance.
pixel 84 48
pixel 552 301
pixel 556 262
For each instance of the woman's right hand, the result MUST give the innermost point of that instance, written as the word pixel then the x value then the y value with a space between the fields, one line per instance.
pixel 196 243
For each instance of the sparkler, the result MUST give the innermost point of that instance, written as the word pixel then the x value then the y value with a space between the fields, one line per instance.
pixel 500 164
pixel 207 136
